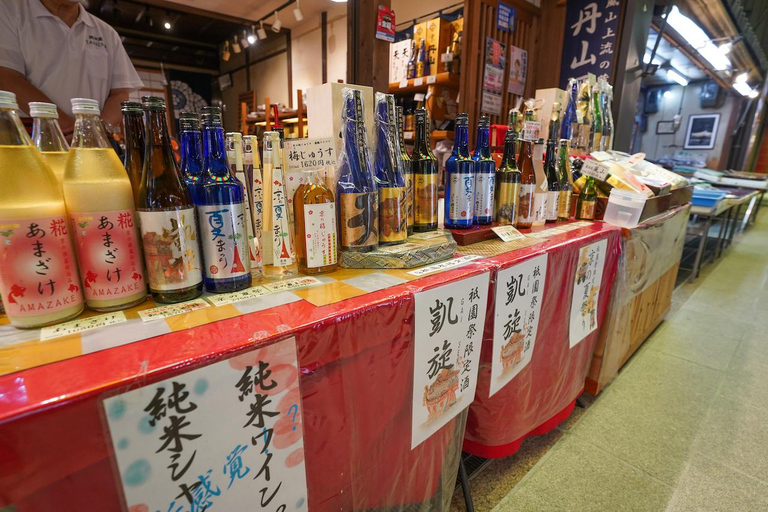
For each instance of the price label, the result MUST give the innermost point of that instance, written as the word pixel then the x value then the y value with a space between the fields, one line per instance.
pixel 229 298
pixel 531 130
pixel 172 310
pixel 507 233
pixel 431 79
pixel 419 96
pixel 408 135
pixel 309 154
pixel 418 81
pixel 597 170
pixel 445 265
pixel 292 284
pixel 635 159
pixel 81 325
pixel 446 57
pixel 403 84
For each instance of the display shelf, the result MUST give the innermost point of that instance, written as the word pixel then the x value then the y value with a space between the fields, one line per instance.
pixel 422 84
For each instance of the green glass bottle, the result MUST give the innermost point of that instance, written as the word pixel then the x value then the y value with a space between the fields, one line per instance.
pixel 585 206
pixel 424 177
pixel 507 183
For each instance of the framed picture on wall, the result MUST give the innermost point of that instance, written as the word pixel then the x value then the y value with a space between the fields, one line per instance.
pixel 665 128
pixel 702 131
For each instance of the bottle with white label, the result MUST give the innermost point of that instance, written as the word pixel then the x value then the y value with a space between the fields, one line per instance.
pixel 553 183
pixel 221 214
pixel 485 174
pixel 39 282
pixel 542 188
pixel 240 174
pixel 316 239
pixel 460 179
pixel 167 213
pixel 99 200
pixel 253 176
pixel 47 136
pixel 526 212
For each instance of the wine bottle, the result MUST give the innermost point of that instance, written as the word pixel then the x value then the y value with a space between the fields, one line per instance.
pixel 191 154
pixel 356 189
pixel 607 139
pixel 554 121
pixel 240 175
pixel 507 183
pixel 514 122
pixel 485 174
pixel 167 214
pixel 526 211
pixel 566 189
pixel 597 121
pixel 411 67
pixel 553 182
pixel 569 126
pixel 424 177
pixel 102 214
pixel 407 170
pixel 460 179
pixel 585 206
pixel 133 159
pixel 278 256
pixel 47 136
pixel 253 175
pixel 221 214
pixel 584 118
pixel 542 189
pixel 422 61
pixel 388 170
pixel 38 275
pixel 316 239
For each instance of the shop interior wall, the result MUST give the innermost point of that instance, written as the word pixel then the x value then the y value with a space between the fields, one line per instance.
pixel 408 10
pixel 655 146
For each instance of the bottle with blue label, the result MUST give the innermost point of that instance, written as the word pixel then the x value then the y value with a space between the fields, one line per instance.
pixel 460 179
pixel 221 214
pixel 191 154
pixel 485 174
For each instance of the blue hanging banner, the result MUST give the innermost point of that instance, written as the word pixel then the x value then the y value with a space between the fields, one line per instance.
pixel 506 17
pixel 591 39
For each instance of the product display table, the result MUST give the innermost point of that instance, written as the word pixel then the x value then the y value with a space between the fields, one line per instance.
pixel 354 336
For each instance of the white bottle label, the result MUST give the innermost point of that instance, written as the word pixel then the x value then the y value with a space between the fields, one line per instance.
pixel 462 196
pixel 282 250
pixel 553 202
pixel 171 249
pixel 484 188
pixel 540 207
pixel 257 192
pixel 526 211
pixel 320 234
pixel 253 244
pixel 224 240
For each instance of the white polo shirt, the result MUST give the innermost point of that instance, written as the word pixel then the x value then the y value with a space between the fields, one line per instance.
pixel 85 61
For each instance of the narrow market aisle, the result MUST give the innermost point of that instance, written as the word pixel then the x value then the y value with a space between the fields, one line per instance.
pixel 683 427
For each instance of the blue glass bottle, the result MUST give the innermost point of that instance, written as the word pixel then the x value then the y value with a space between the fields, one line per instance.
pixel 388 168
pixel 569 118
pixel 485 174
pixel 191 154
pixel 221 214
pixel 460 179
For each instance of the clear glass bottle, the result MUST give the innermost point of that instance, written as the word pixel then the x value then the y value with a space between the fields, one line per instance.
pixel 278 256
pixel 221 214
pixel 407 170
pixel 553 182
pixel 167 213
pixel 607 139
pixel 424 177
pixel 240 175
pixel 587 202
pixel 460 179
pixel 526 209
pixel 38 275
pixel 191 154
pixel 47 136
pixel 596 129
pixel 507 183
pixel 316 239
pixel 102 214
pixel 356 189
pixel 133 160
pixel 388 170
pixel 485 174
pixel 566 189
pixel 253 174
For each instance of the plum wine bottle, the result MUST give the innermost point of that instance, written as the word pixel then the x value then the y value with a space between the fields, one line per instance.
pixel 38 275
pixel 424 177
pixel 485 174
pixel 390 181
pixel 102 214
pixel 460 179
pixel 278 254
pixel 47 136
pixel 241 175
pixel 221 214
pixel 407 170
pixel 191 154
pixel 356 188
pixel 133 160
pixel 167 214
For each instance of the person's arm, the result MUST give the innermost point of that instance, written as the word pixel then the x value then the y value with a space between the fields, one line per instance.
pixel 15 82
pixel 111 112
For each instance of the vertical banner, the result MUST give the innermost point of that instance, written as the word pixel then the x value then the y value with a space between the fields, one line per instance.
pixel 518 70
pixel 591 39
pixel 493 76
pixel 519 293
pixel 586 291
pixel 227 436
pixel 506 17
pixel 448 334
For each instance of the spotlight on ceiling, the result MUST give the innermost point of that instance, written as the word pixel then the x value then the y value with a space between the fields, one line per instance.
pixel 297 12
pixel 244 41
pixel 277 25
pixel 262 33
pixel 167 25
pixel 236 46
pixel 252 36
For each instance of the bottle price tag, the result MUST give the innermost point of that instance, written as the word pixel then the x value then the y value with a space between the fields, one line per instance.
pixel 292 284
pixel 531 130
pixel 431 79
pixel 446 57
pixel 172 309
pixel 445 265
pixel 597 170
pixel 403 84
pixel 418 81
pixel 309 154
pixel 229 298
pixel 419 96
pixel 507 233
pixel 81 325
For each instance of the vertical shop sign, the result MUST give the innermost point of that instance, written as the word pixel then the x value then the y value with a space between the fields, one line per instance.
pixel 448 336
pixel 586 291
pixel 385 24
pixel 506 17
pixel 493 76
pixel 518 70
pixel 224 437
pixel 591 39
pixel 399 55
pixel 519 293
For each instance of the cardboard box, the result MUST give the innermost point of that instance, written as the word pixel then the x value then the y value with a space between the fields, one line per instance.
pixel 439 34
pixel 399 55
pixel 549 97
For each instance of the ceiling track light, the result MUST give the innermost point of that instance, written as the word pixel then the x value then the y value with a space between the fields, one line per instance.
pixel 225 55
pixel 236 46
pixel 244 42
pixel 252 36
pixel 676 76
pixel 262 33
pixel 297 12
pixel 277 25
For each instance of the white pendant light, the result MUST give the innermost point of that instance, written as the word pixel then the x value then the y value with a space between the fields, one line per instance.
pixel 297 12
pixel 277 25
pixel 244 41
pixel 262 33
pixel 252 36
pixel 236 46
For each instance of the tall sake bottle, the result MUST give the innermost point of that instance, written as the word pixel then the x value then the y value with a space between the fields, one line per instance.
pixel 485 174
pixel 191 154
pixel 407 170
pixel 167 213
pixel 390 181
pixel 38 275
pixel 507 183
pixel 47 136
pixel 460 179
pixel 100 203
pixel 133 129
pixel 240 174
pixel 424 177
pixel 253 174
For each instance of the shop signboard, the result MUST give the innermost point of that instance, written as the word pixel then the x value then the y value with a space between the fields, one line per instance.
pixel 591 39
pixel 506 17
pixel 586 291
pixel 493 76
pixel 519 294
pixel 227 436
pixel 448 332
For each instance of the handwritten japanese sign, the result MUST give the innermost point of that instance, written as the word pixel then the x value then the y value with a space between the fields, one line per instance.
pixel 591 39
pixel 586 291
pixel 595 169
pixel 227 436
pixel 309 154
pixel 493 76
pixel 448 335
pixel 519 294
pixel 82 325
pixel 172 309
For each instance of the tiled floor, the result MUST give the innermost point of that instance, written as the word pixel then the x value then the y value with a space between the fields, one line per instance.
pixel 684 426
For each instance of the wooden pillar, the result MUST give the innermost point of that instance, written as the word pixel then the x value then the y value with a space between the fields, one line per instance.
pixel 544 71
pixel 367 57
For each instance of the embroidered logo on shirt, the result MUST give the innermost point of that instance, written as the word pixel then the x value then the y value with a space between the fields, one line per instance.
pixel 96 41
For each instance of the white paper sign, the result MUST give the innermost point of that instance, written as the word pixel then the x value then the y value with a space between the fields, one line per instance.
pixel 519 294
pixel 418 81
pixel 227 436
pixel 597 170
pixel 445 265
pixel 507 233
pixel 586 291
pixel 221 299
pixel 292 284
pixel 172 309
pixel 403 84
pixel 82 325
pixel 448 335
pixel 431 79
pixel 309 154
pixel 531 130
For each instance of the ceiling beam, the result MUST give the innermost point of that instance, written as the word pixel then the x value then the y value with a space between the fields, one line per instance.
pixel 173 6
pixel 161 37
